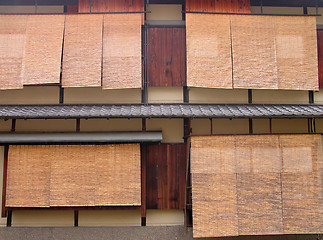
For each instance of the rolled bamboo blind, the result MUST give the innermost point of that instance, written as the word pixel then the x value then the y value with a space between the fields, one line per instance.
pixel 82 54
pixel 275 188
pixel 12 41
pixel 268 52
pixel 122 51
pixel 296 46
pixel 74 175
pixel 43 49
pixel 253 50
pixel 209 61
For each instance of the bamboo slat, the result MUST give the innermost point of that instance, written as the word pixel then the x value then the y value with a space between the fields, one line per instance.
pixel 208 51
pixel 253 49
pixel 12 41
pixel 74 175
pixel 259 203
pixel 302 183
pixel 122 51
pixel 277 184
pixel 82 55
pixel 119 176
pixel 28 183
pixel 43 49
pixel 296 46
pixel 214 205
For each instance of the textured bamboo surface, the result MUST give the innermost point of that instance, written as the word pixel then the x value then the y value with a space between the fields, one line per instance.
pixel 122 51
pixel 296 44
pixel 209 62
pixel 28 179
pixel 254 56
pixel 82 54
pixel 12 41
pixel 43 49
pixel 74 175
pixel 275 188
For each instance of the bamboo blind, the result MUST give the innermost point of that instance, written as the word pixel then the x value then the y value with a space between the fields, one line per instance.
pixel 296 44
pixel 267 52
pixel 74 175
pixel 208 51
pixel 82 56
pixel 43 49
pixel 272 187
pixel 12 40
pixel 122 51
pixel 253 46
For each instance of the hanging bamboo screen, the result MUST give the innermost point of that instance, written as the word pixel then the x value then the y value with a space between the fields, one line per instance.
pixel 43 49
pixel 12 40
pixel 254 58
pixel 122 51
pixel 82 55
pixel 256 185
pixel 268 52
pixel 74 175
pixel 208 51
pixel 296 44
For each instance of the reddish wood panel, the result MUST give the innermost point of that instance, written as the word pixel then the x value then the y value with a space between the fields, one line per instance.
pixel 111 5
pixel 229 6
pixel 166 164
pixel 320 55
pixel 72 8
pixel 167 56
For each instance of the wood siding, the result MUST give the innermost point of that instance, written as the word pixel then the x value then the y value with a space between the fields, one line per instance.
pixel 166 165
pixel 227 6
pixel 111 5
pixel 320 55
pixel 167 56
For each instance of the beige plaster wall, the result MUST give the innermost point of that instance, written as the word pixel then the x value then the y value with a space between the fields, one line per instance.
pixel 5 126
pixel 31 95
pixel 3 221
pixel 49 125
pixel 201 126
pixel 280 97
pixel 278 10
pixel 289 126
pixel 42 218
pixel 109 218
pixel 227 126
pixel 173 129
pixel 31 9
pixel 318 97
pixel 211 95
pixel 261 125
pixel 108 125
pixel 164 217
pixel 165 94
pixel 319 125
pixel 164 12
pixel 97 95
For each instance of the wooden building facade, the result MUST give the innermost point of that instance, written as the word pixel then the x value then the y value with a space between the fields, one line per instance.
pixel 201 113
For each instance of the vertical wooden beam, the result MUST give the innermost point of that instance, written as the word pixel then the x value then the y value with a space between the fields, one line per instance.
pixel 250 126
pixel 270 125
pixel 186 96
pixel 9 218
pixel 13 125
pixel 144 124
pixel 187 128
pixel 143 184
pixel 78 125
pixel 211 122
pixel 250 119
pixel 76 218
pixel 4 181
